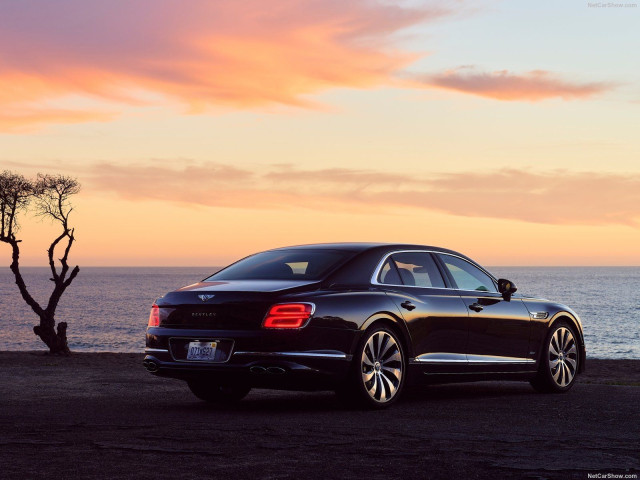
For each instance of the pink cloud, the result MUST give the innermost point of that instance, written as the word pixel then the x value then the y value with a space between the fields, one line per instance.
pixel 552 197
pixel 239 54
pixel 530 86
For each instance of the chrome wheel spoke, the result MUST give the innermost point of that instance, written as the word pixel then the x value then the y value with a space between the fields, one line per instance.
pixel 368 350
pixel 560 339
pixel 391 350
pixel 395 372
pixel 367 376
pixel 382 395
pixel 376 345
pixel 569 374
pixel 565 338
pixel 396 357
pixel 553 346
pixel 565 374
pixel 373 388
pixel 572 362
pixel 388 345
pixel 389 388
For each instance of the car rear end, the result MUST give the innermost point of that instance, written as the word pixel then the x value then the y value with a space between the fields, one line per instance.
pixel 255 332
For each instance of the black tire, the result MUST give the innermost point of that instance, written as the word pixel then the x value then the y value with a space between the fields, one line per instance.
pixel 380 357
pixel 561 349
pixel 208 392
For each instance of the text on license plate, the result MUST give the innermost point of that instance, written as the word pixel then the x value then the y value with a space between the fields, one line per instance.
pixel 202 351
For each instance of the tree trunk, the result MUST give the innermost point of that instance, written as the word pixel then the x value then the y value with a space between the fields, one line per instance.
pixel 55 340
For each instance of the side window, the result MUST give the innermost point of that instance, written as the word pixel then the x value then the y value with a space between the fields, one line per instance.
pixel 418 269
pixel 466 275
pixel 389 274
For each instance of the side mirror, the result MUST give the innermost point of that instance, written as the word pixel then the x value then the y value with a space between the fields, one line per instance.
pixel 506 288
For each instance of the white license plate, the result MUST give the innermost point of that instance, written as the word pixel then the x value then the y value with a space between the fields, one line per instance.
pixel 202 351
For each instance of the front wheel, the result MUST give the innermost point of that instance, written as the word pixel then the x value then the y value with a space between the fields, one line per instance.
pixel 559 361
pixel 378 373
pixel 217 393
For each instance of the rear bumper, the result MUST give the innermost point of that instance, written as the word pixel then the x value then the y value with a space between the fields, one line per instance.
pixel 315 359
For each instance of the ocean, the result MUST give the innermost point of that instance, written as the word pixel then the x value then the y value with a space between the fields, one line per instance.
pixel 107 307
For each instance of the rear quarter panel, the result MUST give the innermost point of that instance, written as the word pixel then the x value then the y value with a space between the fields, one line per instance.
pixel 353 311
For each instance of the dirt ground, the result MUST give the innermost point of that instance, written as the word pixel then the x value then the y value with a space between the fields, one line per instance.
pixel 103 416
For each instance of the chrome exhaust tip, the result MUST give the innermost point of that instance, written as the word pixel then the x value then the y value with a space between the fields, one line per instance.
pixel 150 365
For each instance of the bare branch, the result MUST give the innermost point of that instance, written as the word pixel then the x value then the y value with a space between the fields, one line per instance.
pixel 52 193
pixel 15 194
pixel 50 253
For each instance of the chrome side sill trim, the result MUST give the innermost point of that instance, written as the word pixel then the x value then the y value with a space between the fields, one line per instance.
pixel 471 359
pixel 475 359
pixel 480 373
pixel 441 357
pixel 155 350
pixel 296 354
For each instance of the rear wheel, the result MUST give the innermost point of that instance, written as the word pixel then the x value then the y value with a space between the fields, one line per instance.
pixel 378 371
pixel 559 361
pixel 209 392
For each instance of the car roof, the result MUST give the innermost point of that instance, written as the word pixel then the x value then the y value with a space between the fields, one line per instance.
pixel 363 246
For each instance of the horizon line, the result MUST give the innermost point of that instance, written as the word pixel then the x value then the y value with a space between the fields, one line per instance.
pixel 216 266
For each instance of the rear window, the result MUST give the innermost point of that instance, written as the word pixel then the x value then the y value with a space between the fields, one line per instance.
pixel 283 265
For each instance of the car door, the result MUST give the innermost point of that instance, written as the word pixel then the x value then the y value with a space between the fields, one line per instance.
pixel 498 327
pixel 436 316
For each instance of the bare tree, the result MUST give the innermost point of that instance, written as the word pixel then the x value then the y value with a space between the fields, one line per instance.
pixel 50 196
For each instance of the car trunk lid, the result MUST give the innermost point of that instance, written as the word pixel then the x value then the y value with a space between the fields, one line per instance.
pixel 225 305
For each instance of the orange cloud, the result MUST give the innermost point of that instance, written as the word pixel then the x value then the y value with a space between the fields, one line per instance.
pixel 530 86
pixel 26 119
pixel 555 197
pixel 231 53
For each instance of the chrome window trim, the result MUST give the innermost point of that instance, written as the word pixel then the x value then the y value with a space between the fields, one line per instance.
pixel 296 354
pixel 443 357
pixel 376 272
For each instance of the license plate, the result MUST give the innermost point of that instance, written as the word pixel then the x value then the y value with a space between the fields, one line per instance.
pixel 202 351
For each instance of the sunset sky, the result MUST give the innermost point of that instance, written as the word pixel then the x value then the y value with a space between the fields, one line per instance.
pixel 204 131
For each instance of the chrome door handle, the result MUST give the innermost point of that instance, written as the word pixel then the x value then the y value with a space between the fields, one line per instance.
pixel 408 305
pixel 476 307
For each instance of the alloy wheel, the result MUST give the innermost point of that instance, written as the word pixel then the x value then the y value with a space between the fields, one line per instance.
pixel 381 366
pixel 563 356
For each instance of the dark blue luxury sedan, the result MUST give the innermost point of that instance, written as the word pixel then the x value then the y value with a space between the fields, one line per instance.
pixel 361 319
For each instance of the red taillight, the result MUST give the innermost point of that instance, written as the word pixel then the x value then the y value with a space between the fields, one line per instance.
pixel 154 316
pixel 288 315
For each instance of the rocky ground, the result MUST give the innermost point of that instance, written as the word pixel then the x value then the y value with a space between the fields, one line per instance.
pixel 103 416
